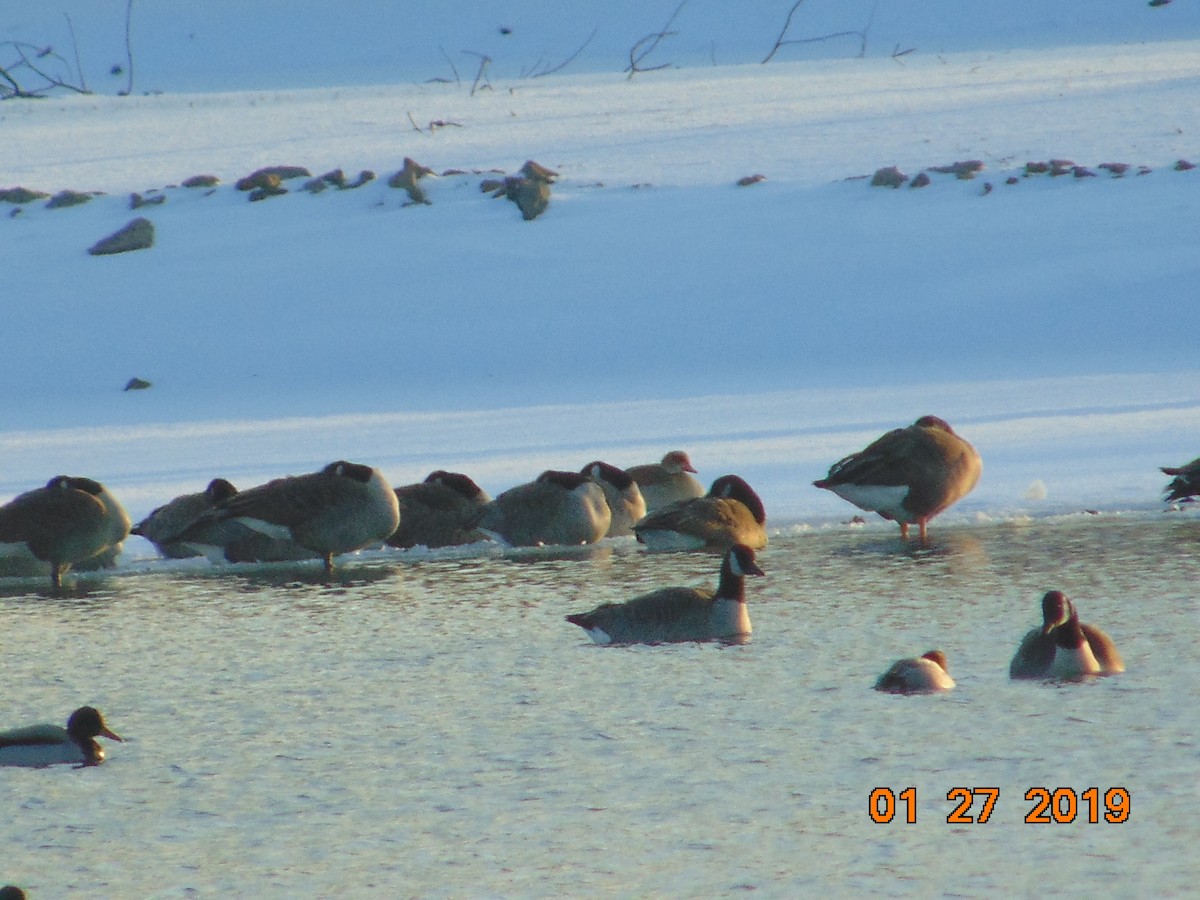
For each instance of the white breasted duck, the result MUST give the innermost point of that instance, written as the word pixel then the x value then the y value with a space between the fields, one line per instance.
pixel 1184 487
pixel 730 513
pixel 47 745
pixel 1064 648
pixel 926 674
pixel 667 482
pixel 674 614
pixel 556 508
pixel 344 507
pixel 438 511
pixel 165 524
pixel 909 475
pixel 623 495
pixel 72 521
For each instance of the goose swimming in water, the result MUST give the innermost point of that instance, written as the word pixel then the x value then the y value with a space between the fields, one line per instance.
pixel 675 614
pixel 1064 647
pixel 47 745
pixel 926 674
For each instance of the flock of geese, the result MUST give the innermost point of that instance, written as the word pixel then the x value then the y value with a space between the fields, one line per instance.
pixel 908 475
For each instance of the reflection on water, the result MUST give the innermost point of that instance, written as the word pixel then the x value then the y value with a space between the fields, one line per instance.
pixel 425 724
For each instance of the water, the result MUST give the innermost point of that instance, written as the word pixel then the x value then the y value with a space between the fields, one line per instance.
pixel 430 726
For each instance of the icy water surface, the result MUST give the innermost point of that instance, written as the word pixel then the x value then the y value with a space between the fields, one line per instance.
pixel 431 727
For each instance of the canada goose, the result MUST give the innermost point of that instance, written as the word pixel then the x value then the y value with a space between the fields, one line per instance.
pixel 679 613
pixel 556 508
pixel 72 521
pixel 48 745
pixel 1064 647
pixel 925 674
pixel 437 512
pixel 1185 486
pixel 908 475
pixel 346 506
pixel 730 513
pixel 621 491
pixel 668 481
pixel 165 524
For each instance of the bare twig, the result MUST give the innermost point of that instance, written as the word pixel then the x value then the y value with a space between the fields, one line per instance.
pixel 484 61
pixel 649 44
pixel 536 73
pixel 416 127
pixel 128 49
pixel 453 68
pixel 784 41
pixel 75 47
pixel 51 80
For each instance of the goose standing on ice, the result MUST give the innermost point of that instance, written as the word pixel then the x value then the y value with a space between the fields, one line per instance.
pixel 344 507
pixel 72 521
pixel 909 475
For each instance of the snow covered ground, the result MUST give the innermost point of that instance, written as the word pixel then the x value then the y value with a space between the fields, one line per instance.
pixel 769 329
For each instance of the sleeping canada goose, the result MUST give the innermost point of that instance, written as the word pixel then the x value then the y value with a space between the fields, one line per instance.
pixel 730 513
pixel 72 521
pixel 556 508
pixel 437 512
pixel 621 491
pixel 344 507
pixel 165 524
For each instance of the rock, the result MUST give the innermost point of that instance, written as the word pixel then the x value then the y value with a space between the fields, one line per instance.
pixel 314 185
pixel 748 180
pixel 137 235
pixel 889 176
pixel 1183 165
pixel 1037 168
pixel 271 176
pixel 137 201
pixel 1082 172
pixel 201 181
pixel 1117 169
pixel 21 195
pixel 530 189
pixel 364 177
pixel 265 191
pixel 406 179
pixel 336 178
pixel 63 199
pixel 137 384
pixel 922 180
pixel 966 170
